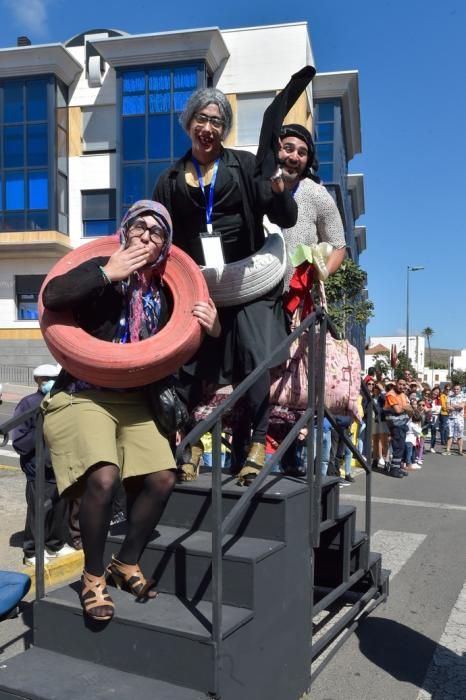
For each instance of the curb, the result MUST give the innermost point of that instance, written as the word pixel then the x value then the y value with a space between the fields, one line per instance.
pixel 62 570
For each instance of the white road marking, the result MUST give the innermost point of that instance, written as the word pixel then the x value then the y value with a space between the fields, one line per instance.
pixel 446 675
pixel 405 502
pixel 396 548
pixel 9 453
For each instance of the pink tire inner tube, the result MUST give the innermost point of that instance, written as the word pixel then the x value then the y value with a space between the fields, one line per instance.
pixel 122 366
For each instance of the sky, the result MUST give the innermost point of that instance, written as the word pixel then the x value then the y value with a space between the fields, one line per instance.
pixel 411 58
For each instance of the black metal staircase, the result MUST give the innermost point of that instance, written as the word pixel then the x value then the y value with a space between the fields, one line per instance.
pixel 254 585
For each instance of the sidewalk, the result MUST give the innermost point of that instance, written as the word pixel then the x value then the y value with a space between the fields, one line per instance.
pixel 13 509
pixel 15 392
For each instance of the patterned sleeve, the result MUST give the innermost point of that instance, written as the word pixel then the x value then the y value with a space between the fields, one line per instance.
pixel 329 224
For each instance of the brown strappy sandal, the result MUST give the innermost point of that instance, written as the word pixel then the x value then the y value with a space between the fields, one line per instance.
pixel 95 597
pixel 253 464
pixel 129 577
pixel 189 471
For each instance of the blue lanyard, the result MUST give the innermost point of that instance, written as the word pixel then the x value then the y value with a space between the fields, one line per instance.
pixel 210 202
pixel 294 190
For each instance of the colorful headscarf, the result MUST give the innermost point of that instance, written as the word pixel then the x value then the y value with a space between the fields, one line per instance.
pixel 141 292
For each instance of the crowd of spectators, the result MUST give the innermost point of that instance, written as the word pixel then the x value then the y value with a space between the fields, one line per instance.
pixel 411 418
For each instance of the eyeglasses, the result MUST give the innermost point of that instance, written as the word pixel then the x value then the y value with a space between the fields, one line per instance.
pixel 370 383
pixel 138 229
pixel 217 122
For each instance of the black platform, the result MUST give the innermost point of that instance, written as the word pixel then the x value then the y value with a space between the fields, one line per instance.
pixel 273 584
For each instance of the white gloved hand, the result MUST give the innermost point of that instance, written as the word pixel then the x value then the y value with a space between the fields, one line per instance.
pixel 320 255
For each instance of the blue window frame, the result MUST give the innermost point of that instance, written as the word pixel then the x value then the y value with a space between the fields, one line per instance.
pixel 27 293
pixel 99 212
pixel 151 100
pixel 325 141
pixel 33 154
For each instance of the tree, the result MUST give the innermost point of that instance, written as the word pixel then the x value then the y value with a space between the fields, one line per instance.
pixel 428 333
pixel 382 363
pixel 346 302
pixel 458 377
pixel 403 363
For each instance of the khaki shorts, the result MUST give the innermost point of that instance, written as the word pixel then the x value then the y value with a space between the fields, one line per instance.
pixel 102 426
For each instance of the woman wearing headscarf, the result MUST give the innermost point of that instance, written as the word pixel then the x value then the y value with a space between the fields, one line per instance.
pixel 217 202
pixel 98 436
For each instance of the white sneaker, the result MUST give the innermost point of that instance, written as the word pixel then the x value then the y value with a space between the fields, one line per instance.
pixel 415 466
pixel 31 561
pixel 381 462
pixel 432 450
pixel 63 552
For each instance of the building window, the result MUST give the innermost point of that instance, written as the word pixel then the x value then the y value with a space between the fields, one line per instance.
pixel 33 154
pixel 151 135
pixel 99 212
pixel 27 294
pixel 99 129
pixel 25 155
pixel 250 110
pixel 325 141
pixel 61 157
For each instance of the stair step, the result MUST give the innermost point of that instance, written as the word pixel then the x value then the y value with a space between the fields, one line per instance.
pixel 147 639
pixel 180 561
pixel 190 505
pixel 329 497
pixel 359 557
pixel 38 674
pixel 334 525
pixel 334 558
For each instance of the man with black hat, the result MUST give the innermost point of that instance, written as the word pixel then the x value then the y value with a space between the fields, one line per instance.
pixel 319 220
pixel 318 226
pixel 24 442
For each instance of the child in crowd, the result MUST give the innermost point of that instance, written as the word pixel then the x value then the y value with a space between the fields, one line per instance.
pixel 412 441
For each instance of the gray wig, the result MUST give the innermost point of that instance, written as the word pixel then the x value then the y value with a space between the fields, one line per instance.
pixel 200 99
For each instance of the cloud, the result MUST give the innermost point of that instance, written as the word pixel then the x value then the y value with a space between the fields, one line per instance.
pixel 30 15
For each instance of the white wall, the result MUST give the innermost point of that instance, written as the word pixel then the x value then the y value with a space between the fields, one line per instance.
pixel 459 361
pixel 88 172
pixel 263 58
pixel 417 345
pixel 8 269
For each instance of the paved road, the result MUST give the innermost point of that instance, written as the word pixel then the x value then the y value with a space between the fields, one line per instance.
pixel 414 646
pixel 411 648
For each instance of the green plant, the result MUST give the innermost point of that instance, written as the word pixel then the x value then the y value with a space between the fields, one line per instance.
pixel 382 363
pixel 458 377
pixel 404 363
pixel 346 303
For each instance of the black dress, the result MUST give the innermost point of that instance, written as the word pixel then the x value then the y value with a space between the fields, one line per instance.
pixel 249 331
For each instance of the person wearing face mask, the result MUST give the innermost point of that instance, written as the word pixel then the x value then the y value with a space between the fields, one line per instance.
pixel 24 442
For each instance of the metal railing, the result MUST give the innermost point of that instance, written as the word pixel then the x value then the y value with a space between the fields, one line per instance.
pixel 312 415
pixel 17 375
pixel 314 412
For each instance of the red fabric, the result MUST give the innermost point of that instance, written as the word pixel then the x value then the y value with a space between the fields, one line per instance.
pixel 300 289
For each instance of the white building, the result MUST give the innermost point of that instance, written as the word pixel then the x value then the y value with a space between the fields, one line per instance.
pixel 458 362
pixel 88 125
pixel 416 347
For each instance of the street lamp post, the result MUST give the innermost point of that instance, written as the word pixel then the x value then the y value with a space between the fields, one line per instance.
pixel 408 270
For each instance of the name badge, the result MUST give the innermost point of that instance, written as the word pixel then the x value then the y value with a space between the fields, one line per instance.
pixel 212 248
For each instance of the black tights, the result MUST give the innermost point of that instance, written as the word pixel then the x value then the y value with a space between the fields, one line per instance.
pixel 146 497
